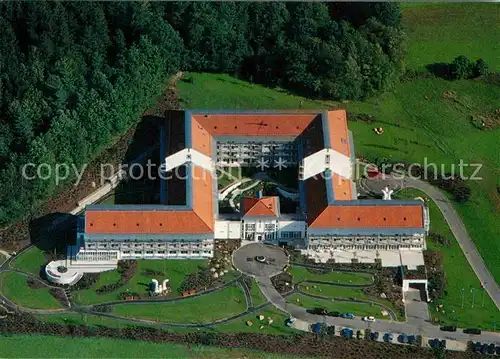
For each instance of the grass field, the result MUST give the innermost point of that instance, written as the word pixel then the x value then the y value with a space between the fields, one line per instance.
pixel 277 327
pixel 13 286
pixel 358 309
pixel 31 261
pixel 38 346
pixel 301 274
pixel 441 32
pixel 199 310
pixel 344 292
pixel 175 271
pixel 257 296
pixel 459 275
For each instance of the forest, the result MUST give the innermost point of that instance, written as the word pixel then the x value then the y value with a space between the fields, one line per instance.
pixel 76 75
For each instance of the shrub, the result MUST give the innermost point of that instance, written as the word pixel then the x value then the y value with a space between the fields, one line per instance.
pixel 480 68
pixel 439 238
pixel 87 281
pixel 34 284
pixel 102 308
pixel 461 68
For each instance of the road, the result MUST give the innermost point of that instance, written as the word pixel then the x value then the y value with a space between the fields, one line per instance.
pixel 423 328
pixel 456 225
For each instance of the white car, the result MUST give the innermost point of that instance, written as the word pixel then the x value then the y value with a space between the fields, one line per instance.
pixel 369 319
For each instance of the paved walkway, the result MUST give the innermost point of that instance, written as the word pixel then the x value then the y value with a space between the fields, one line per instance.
pixel 453 219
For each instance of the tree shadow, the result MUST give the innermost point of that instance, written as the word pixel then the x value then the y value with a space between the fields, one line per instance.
pixel 440 69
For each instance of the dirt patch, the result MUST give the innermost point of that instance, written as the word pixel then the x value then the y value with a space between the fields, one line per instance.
pixel 487 120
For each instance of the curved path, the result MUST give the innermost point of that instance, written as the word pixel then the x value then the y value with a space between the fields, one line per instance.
pixel 455 223
pixel 345 300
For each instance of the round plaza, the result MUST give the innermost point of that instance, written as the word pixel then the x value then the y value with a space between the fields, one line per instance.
pixel 260 260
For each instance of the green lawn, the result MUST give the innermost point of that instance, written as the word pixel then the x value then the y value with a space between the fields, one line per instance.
pixel 257 296
pixel 175 271
pixel 301 274
pixel 277 327
pixel 459 275
pixel 14 287
pixel 38 346
pixel 331 291
pixel 217 91
pixel 358 309
pixel 441 32
pixel 32 261
pixel 204 309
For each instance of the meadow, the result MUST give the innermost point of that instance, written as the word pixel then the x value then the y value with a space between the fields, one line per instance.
pixel 14 287
pixel 39 346
pixel 198 310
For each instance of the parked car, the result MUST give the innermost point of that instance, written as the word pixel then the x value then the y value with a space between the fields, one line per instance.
pixel 403 338
pixel 348 316
pixel 476 347
pixel 369 319
pixel 289 322
pixel 435 343
pixel 484 349
pixel 388 337
pixel 448 328
pixel 360 334
pixel 497 349
pixel 346 333
pixel 412 339
pixel 491 348
pixel 316 328
pixel 334 314
pixel 318 311
pixel 472 331
pixel 374 335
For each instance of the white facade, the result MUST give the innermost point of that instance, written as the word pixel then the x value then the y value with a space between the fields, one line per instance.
pixel 227 229
pixel 326 159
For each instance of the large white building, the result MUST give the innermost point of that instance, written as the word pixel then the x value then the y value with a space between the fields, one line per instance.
pixel 329 217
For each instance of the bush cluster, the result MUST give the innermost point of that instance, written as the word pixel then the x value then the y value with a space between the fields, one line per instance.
pixel 127 269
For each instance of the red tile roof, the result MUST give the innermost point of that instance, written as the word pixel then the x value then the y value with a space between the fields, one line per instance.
pixel 279 124
pixel 380 216
pixel 342 188
pixel 203 195
pixel 144 222
pixel 265 206
pixel 338 133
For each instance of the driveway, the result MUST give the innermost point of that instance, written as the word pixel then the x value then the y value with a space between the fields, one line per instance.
pixel 416 309
pixel 453 219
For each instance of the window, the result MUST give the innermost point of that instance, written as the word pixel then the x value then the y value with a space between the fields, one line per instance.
pixel 149 252
pixel 161 252
pixel 172 252
pixel 184 252
pixel 138 252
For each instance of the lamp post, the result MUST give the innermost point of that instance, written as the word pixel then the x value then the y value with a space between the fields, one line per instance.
pixel 473 296
pixel 463 296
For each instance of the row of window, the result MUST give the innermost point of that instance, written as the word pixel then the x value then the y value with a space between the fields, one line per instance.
pixel 291 234
pixel 164 245
pixel 164 252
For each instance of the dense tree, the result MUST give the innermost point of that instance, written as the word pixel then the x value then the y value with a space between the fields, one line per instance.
pixel 461 67
pixel 75 75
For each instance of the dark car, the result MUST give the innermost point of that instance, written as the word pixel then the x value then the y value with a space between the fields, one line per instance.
pixel 374 335
pixel 497 349
pixel 318 311
pixel 491 349
pixel 484 349
pixel 476 347
pixel 334 314
pixel 412 339
pixel 435 343
pixel 403 338
pixel 448 328
pixel 347 333
pixel 388 337
pixel 472 331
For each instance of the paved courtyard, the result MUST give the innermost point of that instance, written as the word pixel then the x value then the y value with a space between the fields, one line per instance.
pixel 244 259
